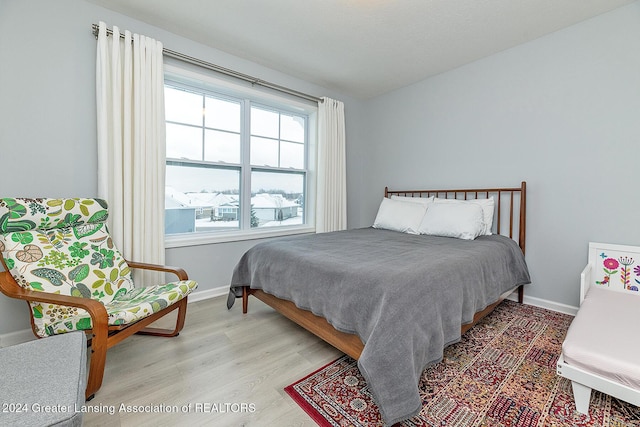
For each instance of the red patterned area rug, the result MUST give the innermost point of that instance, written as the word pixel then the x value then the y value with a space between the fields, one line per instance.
pixel 502 374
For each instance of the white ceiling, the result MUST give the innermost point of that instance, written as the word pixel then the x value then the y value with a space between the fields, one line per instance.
pixel 362 48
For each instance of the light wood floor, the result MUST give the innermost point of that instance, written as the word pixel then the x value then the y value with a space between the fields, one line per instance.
pixel 221 358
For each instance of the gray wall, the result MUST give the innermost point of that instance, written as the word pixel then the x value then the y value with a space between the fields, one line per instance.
pixel 561 112
pixel 48 117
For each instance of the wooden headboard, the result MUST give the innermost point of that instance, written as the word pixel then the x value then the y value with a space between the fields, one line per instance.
pixel 510 206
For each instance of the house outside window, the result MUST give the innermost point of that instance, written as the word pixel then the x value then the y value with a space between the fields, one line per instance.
pixel 237 163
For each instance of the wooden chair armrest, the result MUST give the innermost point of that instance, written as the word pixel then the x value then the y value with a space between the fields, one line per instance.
pixel 182 275
pixel 96 310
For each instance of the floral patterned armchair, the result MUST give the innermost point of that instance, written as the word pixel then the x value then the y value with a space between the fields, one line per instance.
pixel 59 257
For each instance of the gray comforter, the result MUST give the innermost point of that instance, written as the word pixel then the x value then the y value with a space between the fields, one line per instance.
pixel 404 295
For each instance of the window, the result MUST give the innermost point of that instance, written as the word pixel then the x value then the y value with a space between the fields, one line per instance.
pixel 235 161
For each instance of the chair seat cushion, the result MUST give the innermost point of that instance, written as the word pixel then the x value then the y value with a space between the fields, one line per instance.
pixel 126 308
pixel 63 246
pixel 80 261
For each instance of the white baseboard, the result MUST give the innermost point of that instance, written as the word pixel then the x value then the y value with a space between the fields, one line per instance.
pixel 17 337
pixel 207 294
pixel 543 303
pixel 24 335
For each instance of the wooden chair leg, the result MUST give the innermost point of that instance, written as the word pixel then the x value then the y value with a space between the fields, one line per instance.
pixel 97 360
pixel 160 332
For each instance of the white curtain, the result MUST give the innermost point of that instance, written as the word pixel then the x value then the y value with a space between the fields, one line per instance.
pixel 331 212
pixel 131 144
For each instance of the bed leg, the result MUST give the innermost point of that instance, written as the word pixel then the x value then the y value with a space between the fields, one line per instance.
pixel 582 396
pixel 521 294
pixel 245 299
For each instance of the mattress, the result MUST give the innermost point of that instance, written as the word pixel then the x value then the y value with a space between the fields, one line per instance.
pixel 600 339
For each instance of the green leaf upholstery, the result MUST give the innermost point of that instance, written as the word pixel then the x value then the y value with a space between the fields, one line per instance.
pixel 63 246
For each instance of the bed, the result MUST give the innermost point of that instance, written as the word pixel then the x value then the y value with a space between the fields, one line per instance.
pixel 597 352
pixel 393 300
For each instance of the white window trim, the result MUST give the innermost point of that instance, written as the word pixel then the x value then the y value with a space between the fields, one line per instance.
pixel 204 238
pixel 290 103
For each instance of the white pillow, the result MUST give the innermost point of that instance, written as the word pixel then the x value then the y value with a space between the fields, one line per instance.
pixel 487 206
pixel 426 201
pixel 399 216
pixel 460 220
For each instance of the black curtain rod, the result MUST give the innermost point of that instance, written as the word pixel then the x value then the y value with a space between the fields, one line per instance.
pixel 223 70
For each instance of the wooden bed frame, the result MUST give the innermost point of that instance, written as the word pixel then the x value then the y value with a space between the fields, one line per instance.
pixel 509 220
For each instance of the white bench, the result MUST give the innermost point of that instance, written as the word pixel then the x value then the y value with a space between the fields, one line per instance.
pixel 601 350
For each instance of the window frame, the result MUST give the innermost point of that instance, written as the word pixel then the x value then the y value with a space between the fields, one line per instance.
pixel 220 86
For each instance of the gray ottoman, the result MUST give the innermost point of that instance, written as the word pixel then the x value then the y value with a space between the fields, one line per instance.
pixel 42 382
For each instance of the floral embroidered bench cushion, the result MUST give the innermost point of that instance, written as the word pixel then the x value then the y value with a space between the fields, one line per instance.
pixel 63 246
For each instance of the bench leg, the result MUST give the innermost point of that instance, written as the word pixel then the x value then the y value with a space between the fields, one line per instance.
pixel 582 396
